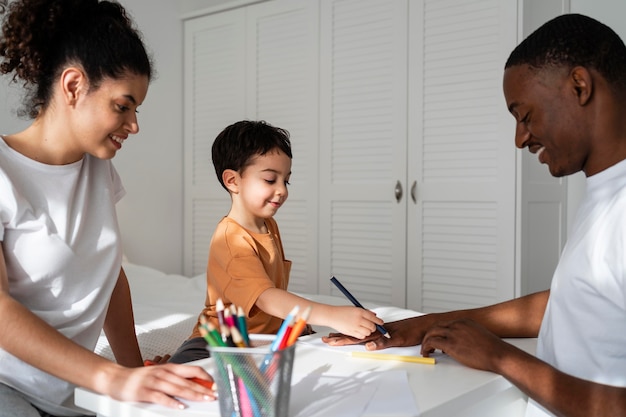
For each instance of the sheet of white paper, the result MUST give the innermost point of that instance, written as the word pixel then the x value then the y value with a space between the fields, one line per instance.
pixel 393 397
pixel 366 394
pixel 322 395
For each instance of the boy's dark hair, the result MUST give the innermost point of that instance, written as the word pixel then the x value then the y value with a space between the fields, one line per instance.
pixel 574 40
pixel 238 143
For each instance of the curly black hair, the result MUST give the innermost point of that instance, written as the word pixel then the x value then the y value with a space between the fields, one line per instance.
pixel 41 37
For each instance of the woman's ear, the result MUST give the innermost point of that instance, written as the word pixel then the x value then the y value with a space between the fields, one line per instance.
pixel 231 178
pixel 73 83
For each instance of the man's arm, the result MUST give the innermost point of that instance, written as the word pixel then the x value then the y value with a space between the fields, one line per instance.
pixel 520 317
pixel 563 394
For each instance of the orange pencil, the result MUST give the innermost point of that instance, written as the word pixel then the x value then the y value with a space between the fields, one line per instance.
pixel 204 382
pixel 299 326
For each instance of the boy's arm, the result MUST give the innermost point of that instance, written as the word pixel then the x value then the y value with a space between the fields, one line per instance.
pixel 349 320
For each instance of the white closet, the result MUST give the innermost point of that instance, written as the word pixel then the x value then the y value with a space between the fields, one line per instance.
pixel 406 181
pixel 257 62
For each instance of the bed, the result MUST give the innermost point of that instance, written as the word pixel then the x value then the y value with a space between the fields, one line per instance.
pixel 166 307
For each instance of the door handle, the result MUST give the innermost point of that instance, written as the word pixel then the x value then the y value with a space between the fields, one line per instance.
pixel 398 191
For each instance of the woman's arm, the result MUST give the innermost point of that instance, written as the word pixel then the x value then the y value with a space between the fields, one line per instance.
pixel 119 325
pixel 52 352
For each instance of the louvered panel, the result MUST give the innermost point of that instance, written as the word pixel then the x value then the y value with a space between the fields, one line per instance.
pixel 284 88
pixel 284 76
pixel 462 75
pixel 213 102
pixel 213 98
pixel 206 214
pixel 296 241
pixel 459 255
pixel 362 91
pixel 361 249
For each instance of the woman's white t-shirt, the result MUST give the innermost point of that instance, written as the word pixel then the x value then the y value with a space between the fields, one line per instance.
pixel 583 332
pixel 61 243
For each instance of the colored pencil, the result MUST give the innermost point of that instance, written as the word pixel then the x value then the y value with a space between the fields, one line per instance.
pixel 392 357
pixel 204 382
pixel 299 326
pixel 283 328
pixel 210 333
pixel 237 338
pixel 354 301
pixel 242 326
pixel 219 309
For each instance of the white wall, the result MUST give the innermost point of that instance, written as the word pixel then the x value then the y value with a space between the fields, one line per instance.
pixel 151 162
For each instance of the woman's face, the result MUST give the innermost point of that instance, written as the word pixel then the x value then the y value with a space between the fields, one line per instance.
pixel 103 118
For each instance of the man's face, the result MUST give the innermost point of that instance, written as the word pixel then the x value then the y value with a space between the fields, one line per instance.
pixel 549 117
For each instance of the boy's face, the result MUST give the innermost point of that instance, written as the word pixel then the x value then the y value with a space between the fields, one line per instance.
pixel 263 185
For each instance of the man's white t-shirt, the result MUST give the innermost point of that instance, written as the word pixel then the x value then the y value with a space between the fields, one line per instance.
pixel 583 332
pixel 61 243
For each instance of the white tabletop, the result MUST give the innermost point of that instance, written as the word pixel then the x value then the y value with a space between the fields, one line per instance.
pixel 445 389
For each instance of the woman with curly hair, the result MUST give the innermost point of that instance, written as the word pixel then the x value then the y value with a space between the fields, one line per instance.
pixel 85 70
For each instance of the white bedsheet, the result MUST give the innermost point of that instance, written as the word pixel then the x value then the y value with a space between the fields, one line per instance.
pixel 166 307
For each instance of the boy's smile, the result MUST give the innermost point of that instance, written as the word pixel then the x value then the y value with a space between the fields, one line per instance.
pixel 260 189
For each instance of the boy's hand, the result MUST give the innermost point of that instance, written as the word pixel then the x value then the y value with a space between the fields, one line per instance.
pixel 354 321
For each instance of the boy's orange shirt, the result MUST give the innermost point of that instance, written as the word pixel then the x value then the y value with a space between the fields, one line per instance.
pixel 241 266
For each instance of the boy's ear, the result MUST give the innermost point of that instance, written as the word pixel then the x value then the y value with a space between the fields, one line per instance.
pixel 230 178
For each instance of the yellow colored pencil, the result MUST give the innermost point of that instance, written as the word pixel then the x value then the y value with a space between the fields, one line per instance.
pixel 391 357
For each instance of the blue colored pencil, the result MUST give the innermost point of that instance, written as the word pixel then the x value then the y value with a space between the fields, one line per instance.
pixel 354 301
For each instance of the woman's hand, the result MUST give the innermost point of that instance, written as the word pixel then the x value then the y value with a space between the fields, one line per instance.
pixel 165 384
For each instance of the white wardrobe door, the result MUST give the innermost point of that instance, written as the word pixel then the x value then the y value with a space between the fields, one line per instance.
pixel 214 97
pixel 363 148
pixel 283 90
pixel 461 231
pixel 257 63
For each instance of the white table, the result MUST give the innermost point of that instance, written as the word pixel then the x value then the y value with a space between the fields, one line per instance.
pixel 446 389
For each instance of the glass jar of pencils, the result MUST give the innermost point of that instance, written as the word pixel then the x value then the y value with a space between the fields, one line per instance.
pixel 253 381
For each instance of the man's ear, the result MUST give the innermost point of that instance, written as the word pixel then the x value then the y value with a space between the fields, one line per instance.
pixel 230 178
pixel 582 81
pixel 73 83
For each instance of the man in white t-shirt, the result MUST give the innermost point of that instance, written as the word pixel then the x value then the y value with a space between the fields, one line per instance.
pixel 566 87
